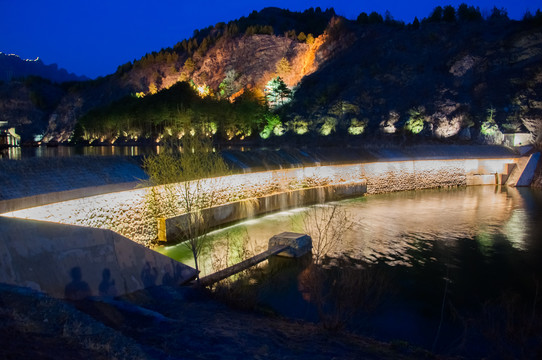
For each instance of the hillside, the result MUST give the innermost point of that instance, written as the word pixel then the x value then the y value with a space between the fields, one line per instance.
pixel 452 78
pixel 13 67
pixel 459 78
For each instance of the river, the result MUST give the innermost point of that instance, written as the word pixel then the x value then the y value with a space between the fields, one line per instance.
pixel 456 271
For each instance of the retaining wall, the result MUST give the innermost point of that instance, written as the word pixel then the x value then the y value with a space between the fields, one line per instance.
pixel 74 262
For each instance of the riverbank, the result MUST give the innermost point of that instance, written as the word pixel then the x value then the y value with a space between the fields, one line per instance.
pixel 169 323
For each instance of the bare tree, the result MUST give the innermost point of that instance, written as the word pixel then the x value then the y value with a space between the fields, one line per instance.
pixel 326 225
pixel 191 183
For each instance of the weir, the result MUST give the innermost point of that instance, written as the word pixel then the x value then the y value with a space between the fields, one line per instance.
pixel 176 228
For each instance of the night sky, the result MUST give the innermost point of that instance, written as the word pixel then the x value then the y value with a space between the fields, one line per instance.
pixel 93 37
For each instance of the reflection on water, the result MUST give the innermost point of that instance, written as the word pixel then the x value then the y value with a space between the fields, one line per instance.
pixel 386 227
pixel 451 257
pixel 18 153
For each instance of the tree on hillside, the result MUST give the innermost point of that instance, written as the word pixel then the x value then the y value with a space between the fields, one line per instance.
pixel 277 92
pixel 467 13
pixel 189 66
pixel 228 87
pixel 375 18
pixel 363 18
pixel 283 67
pixel 498 14
pixel 448 14
pixel 436 15
pixel 416 23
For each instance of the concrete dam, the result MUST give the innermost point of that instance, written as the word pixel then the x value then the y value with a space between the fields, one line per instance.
pixel 99 235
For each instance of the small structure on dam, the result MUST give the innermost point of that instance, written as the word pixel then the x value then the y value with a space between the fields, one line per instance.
pixel 286 244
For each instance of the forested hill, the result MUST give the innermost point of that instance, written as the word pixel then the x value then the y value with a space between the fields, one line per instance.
pixel 278 75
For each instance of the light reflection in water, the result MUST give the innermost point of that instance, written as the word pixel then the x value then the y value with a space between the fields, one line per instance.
pixel 389 226
pixel 18 153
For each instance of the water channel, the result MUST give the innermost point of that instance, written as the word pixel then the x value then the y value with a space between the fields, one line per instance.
pixel 456 271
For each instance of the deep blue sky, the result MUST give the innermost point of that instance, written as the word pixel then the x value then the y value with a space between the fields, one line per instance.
pixel 93 37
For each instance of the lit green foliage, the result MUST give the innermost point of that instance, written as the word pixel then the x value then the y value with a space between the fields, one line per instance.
pixel 489 127
pixel 416 120
pixel 274 125
pixel 357 127
pixel 171 114
pixel 259 29
pixel 277 92
pixel 300 127
pixel 328 126
pixel 228 87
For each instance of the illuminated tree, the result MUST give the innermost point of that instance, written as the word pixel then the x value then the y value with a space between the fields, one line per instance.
pixel 189 65
pixel 277 92
pixel 416 120
pixel 152 88
pixel 228 87
pixel 283 67
pixel 273 125
pixel 357 127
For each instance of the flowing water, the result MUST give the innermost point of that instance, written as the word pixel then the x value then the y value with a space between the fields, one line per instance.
pixel 457 271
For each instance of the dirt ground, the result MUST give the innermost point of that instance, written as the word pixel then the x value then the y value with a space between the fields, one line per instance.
pixel 168 323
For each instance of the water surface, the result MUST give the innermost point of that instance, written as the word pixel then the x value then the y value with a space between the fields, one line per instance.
pixel 456 271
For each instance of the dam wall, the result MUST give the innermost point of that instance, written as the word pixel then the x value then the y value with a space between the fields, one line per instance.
pixel 74 262
pixel 134 213
pixel 177 227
